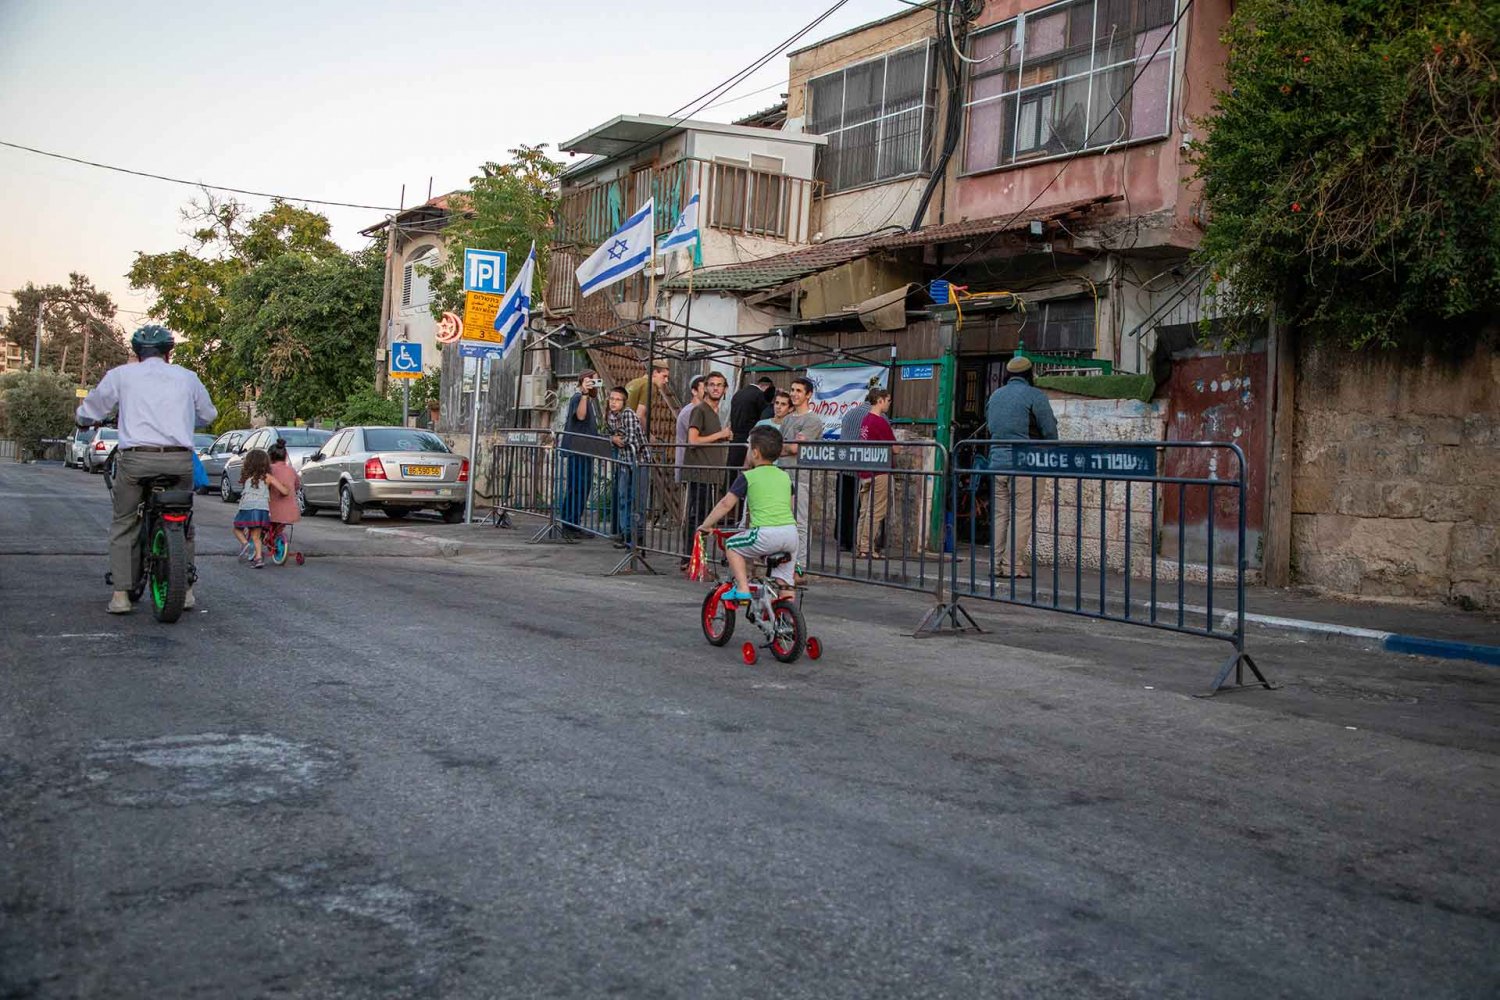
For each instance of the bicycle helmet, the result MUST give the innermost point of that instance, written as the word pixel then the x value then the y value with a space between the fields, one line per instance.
pixel 152 338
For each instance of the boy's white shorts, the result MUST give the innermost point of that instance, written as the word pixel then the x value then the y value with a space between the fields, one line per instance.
pixel 768 542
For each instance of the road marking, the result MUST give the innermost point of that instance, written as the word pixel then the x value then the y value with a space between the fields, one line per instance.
pixel 81 635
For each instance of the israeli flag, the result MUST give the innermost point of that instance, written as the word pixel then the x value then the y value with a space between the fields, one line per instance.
pixel 623 254
pixel 685 233
pixel 515 308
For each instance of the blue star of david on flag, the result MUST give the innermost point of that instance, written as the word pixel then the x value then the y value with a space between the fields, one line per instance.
pixel 625 252
pixel 685 233
pixel 515 308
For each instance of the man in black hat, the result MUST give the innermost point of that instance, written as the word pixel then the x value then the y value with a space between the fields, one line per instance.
pixel 1017 411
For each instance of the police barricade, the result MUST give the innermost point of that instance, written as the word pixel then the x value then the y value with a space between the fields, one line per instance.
pixel 593 489
pixel 519 478
pixel 1104 529
pixel 675 496
pixel 870 511
pixel 889 543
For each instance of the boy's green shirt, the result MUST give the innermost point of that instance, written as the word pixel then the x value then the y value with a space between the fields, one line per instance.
pixel 768 491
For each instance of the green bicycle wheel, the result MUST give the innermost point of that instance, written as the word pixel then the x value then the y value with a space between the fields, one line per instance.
pixel 167 573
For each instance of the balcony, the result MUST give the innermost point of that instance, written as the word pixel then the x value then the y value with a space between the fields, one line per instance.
pixel 733 199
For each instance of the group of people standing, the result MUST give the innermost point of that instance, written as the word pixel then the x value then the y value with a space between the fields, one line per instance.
pixel 709 452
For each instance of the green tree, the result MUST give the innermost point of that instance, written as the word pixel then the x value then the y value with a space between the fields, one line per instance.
pixel 366 406
pixel 508 206
pixel 36 405
pixel 1350 168
pixel 79 333
pixel 302 328
pixel 192 285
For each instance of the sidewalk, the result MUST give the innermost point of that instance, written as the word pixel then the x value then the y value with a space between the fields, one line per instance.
pixel 1417 629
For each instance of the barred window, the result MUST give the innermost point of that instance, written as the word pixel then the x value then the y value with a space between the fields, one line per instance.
pixel 1057 80
pixel 877 116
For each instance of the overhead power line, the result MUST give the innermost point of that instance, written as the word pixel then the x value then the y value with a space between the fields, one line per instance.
pixel 196 184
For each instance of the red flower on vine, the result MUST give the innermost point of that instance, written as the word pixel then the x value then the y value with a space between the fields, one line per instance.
pixel 1296 206
pixel 1307 59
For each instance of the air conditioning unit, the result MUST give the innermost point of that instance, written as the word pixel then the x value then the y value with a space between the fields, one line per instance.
pixel 536 391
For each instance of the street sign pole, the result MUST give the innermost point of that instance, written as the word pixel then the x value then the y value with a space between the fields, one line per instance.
pixel 405 402
pixel 481 366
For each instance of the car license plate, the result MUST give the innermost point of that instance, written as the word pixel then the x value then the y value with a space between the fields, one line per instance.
pixel 422 470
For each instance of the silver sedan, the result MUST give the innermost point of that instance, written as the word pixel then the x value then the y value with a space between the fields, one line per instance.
pixel 396 470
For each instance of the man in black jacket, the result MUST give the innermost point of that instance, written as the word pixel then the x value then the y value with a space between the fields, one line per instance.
pixel 746 409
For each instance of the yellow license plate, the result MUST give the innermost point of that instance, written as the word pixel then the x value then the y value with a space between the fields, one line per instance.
pixel 421 470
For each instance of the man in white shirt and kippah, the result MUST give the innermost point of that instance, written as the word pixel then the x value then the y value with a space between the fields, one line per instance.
pixel 159 405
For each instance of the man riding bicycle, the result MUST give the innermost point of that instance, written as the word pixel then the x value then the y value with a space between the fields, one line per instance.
pixel 159 405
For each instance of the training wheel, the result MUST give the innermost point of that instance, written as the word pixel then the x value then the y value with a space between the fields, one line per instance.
pixel 747 653
pixel 300 559
pixel 814 648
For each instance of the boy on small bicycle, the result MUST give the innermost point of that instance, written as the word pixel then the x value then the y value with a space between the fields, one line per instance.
pixel 767 491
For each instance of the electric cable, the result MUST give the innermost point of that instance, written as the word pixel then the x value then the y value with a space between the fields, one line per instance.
pixel 196 184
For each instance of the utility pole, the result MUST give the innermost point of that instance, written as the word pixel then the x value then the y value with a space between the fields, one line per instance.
pixel 83 371
pixel 383 345
pixel 36 355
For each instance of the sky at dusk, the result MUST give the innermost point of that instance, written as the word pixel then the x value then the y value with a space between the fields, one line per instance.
pixel 338 101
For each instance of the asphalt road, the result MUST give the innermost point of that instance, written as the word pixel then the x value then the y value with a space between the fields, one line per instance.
pixel 388 773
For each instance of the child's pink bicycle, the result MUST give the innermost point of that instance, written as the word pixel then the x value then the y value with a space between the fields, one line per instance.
pixel 279 544
pixel 778 618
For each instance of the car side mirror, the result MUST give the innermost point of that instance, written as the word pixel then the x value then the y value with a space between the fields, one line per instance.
pixel 316 456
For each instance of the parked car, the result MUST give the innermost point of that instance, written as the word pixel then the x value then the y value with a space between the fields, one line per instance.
pixel 101 445
pixel 77 444
pixel 217 453
pixel 396 470
pixel 301 442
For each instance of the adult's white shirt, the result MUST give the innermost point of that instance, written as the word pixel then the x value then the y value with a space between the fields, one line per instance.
pixel 159 403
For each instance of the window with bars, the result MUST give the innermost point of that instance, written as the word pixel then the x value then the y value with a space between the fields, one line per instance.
pixel 877 116
pixel 748 195
pixel 1057 80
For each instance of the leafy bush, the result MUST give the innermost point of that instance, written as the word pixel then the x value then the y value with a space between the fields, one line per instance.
pixel 36 405
pixel 365 406
pixel 1350 169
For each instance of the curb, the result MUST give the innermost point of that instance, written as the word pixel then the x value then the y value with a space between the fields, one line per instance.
pixel 1391 642
pixel 444 546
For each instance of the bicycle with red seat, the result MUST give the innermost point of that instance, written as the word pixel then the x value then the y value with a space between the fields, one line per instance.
pixel 778 618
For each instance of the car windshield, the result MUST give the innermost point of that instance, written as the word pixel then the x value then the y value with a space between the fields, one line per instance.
pixel 303 437
pixel 203 441
pixel 396 439
pixel 108 434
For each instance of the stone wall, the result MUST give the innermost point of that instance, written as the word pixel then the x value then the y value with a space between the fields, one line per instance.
pixel 1396 477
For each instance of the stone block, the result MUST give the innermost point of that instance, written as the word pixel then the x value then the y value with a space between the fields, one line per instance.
pixel 1360 498
pixel 1474 548
pixel 1365 554
pixel 1312 494
pixel 1480 428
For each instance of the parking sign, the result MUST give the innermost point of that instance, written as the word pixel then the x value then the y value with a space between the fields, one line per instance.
pixel 406 359
pixel 484 271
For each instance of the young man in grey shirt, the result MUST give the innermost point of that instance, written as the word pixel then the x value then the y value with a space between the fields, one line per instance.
pixel 800 425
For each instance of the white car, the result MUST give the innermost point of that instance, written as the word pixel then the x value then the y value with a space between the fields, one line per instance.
pixel 101 444
pixel 75 446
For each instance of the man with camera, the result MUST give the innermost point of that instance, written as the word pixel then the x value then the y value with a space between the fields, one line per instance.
pixel 581 444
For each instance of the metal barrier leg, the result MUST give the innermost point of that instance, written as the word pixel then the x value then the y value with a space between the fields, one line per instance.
pixel 552 531
pixel 1237 662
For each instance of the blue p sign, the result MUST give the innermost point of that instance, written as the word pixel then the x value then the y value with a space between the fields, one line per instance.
pixel 484 271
